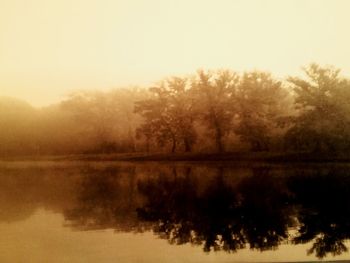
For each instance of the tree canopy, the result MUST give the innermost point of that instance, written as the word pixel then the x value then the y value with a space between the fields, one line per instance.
pixel 209 111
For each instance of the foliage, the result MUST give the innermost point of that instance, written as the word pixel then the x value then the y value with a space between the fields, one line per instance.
pixel 168 114
pixel 323 103
pixel 215 102
pixel 210 110
pixel 262 103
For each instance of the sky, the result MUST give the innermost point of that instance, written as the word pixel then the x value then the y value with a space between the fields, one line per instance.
pixel 49 48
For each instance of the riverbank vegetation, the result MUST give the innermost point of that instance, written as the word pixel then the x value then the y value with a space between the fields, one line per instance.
pixel 207 112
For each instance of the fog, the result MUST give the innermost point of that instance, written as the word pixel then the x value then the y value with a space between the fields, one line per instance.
pixel 207 111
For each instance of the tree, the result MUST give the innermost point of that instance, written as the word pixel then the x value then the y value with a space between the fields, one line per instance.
pixel 262 102
pixel 182 111
pixel 323 104
pixel 125 99
pixel 168 114
pixel 214 102
pixel 103 117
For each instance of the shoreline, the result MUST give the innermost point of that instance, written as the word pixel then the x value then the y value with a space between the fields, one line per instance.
pixel 269 157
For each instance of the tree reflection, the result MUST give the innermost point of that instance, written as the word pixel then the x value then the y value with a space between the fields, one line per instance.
pixel 105 199
pixel 219 208
pixel 183 214
pixel 323 197
pixel 222 217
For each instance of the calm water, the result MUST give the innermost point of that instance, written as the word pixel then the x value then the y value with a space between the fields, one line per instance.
pixel 157 212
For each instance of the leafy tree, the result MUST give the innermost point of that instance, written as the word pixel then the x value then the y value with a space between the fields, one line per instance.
pixel 158 122
pixel 214 102
pixel 128 121
pixel 262 103
pixel 96 113
pixel 323 104
pixel 107 118
pixel 183 111
pixel 168 114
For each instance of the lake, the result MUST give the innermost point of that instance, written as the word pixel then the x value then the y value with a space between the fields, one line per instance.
pixel 173 212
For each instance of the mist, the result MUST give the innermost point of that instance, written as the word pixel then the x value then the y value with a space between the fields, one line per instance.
pixel 208 111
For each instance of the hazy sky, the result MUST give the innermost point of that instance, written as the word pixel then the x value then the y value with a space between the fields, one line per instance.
pixel 50 47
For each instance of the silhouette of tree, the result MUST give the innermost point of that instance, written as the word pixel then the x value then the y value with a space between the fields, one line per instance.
pixel 215 102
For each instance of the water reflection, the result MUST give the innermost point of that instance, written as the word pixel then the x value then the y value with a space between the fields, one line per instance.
pixel 324 209
pixel 216 207
pixel 105 199
pixel 222 216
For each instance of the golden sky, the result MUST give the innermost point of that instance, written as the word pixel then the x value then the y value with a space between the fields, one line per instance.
pixel 51 47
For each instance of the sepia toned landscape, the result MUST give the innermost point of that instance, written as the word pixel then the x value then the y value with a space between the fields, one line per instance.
pixel 174 131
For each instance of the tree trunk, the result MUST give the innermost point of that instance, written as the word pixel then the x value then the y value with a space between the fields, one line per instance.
pixel 131 140
pixel 188 147
pixel 218 140
pixel 256 146
pixel 147 144
pixel 173 148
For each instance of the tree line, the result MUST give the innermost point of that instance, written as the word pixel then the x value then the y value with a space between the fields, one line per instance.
pixel 208 111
